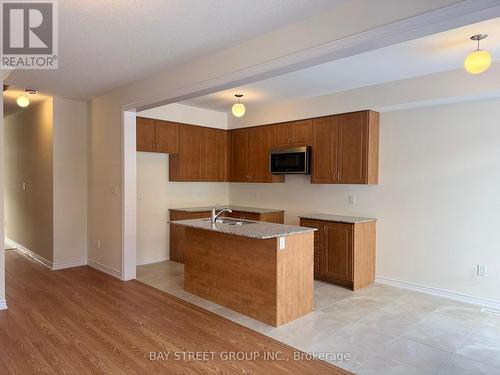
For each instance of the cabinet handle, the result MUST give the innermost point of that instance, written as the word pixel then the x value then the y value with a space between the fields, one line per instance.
pixel 324 228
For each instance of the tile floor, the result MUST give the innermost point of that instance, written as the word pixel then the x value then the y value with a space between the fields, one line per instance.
pixel 386 330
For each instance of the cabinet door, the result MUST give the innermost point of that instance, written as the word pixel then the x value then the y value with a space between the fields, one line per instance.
pixel 319 245
pixel 167 137
pixel 191 149
pixel 260 148
pixel 282 135
pixel 145 134
pixel 301 133
pixel 239 155
pixel 353 148
pixel 214 149
pixel 339 251
pixel 324 150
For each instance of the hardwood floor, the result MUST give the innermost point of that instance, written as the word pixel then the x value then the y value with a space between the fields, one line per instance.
pixel 81 321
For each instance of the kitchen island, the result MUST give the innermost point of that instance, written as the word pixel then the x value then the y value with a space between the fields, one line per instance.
pixel 262 270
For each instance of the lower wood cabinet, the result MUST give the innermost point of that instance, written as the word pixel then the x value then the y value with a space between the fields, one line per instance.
pixel 177 232
pixel 344 253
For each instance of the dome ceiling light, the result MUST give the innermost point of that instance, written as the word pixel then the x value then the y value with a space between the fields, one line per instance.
pixel 23 100
pixel 238 108
pixel 478 61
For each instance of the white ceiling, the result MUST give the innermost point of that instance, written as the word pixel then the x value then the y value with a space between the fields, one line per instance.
pixel 432 54
pixel 109 43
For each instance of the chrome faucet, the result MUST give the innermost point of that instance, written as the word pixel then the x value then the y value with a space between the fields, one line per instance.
pixel 216 215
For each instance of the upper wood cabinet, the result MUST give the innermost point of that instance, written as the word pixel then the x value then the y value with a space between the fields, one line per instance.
pixel 145 134
pixel 345 149
pixel 202 155
pixel 167 137
pixel 292 134
pixel 157 136
pixel 250 152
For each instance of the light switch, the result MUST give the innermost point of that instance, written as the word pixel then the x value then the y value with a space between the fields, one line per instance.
pixel 352 198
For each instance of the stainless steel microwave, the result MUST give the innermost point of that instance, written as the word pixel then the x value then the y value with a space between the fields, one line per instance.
pixel 295 160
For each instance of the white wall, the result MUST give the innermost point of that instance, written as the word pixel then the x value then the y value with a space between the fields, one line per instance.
pixel 155 194
pixel 186 114
pixel 70 183
pixel 437 202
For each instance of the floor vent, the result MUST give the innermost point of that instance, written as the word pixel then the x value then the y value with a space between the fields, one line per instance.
pixel 491 312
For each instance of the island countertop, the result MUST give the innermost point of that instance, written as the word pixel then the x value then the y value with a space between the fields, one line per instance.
pixel 257 229
pixel 257 210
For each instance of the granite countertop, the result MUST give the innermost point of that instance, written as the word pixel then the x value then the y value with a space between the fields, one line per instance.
pixel 339 218
pixel 258 229
pixel 256 210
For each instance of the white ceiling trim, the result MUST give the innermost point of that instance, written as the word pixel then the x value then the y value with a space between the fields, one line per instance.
pixel 452 16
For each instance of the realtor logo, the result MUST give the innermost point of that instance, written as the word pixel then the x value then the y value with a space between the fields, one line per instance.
pixel 29 34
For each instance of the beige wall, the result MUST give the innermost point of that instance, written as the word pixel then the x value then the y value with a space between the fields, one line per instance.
pixel 70 183
pixel 28 160
pixel 155 194
pixel 437 201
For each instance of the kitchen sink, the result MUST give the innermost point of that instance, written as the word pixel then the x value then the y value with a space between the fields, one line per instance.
pixel 232 221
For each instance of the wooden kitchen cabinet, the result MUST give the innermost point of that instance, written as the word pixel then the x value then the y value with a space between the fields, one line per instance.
pixel 157 136
pixel 292 134
pixel 145 134
pixel 215 154
pixel 344 253
pixel 346 149
pixel 240 159
pixel 202 155
pixel 324 150
pixel 167 137
pixel 250 152
pixel 177 232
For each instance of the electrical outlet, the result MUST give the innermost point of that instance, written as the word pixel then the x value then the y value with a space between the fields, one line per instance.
pixel 481 270
pixel 352 198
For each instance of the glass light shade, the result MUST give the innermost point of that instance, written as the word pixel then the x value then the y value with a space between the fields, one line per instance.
pixel 477 62
pixel 23 101
pixel 238 109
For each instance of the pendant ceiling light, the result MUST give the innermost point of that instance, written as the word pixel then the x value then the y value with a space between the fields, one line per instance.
pixel 238 108
pixel 477 61
pixel 23 101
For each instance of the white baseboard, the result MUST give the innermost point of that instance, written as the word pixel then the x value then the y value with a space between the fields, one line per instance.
pixel 142 262
pixel 103 268
pixel 47 263
pixel 3 304
pixel 440 292
pixel 69 264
